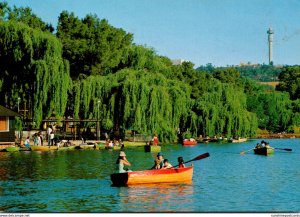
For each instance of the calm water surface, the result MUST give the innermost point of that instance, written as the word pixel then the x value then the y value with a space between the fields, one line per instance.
pixel 227 181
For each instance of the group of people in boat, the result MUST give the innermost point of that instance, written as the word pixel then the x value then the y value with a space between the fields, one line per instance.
pixel 111 143
pixel 262 144
pixel 159 163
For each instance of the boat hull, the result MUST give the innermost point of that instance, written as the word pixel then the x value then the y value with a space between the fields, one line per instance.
pixel 43 148
pixel 11 149
pixel 100 146
pixel 85 146
pixel 152 148
pixel 115 148
pixel 189 143
pixel 176 175
pixel 66 148
pixel 263 151
pixel 238 140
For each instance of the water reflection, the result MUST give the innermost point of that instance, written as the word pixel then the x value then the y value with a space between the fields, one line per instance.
pixel 156 197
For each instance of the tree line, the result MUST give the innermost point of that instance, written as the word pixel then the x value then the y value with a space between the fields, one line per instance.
pixel 67 71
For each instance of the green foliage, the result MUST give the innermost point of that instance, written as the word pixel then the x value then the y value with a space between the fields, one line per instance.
pixel 135 99
pixel 222 111
pixel 91 45
pixel 32 68
pixel 260 72
pixel 290 81
pixel 23 15
pixel 227 75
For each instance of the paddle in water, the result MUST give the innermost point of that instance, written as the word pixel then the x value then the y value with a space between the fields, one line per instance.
pixel 201 156
pixel 243 152
pixel 285 149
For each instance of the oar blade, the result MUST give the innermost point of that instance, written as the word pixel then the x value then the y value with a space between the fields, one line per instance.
pixel 201 156
pixel 285 149
pixel 243 152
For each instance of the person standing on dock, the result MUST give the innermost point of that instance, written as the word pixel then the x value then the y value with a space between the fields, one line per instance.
pixel 49 131
pixel 155 139
pixel 35 139
pixel 51 138
pixel 27 142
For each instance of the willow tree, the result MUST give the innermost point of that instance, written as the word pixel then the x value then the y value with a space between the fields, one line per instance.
pixel 134 99
pixel 33 70
pixel 222 110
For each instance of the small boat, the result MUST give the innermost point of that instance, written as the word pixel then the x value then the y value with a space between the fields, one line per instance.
pixel 11 149
pixel 263 151
pixel 85 146
pixel 100 146
pixel 237 140
pixel 152 148
pixel 25 149
pixel 115 148
pixel 188 142
pixel 175 175
pixel 65 148
pixel 43 148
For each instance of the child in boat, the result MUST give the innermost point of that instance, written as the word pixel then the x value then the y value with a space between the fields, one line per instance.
pixel 181 162
pixel 121 162
pixel 167 165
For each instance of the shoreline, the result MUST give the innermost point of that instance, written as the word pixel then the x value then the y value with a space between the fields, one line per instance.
pixel 278 136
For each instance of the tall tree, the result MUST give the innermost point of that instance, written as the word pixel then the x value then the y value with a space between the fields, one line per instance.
pixel 33 70
pixel 91 45
pixel 23 15
pixel 290 81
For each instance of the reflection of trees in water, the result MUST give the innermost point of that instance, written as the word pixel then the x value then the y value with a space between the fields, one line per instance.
pixel 157 198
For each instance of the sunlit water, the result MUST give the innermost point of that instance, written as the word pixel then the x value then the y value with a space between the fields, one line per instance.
pixel 227 181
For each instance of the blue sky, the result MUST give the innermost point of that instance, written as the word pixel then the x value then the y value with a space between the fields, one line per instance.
pixel 221 32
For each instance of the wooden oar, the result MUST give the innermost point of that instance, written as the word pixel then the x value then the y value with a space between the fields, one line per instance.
pixel 243 152
pixel 285 149
pixel 201 156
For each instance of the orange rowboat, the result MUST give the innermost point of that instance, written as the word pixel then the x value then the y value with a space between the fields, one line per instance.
pixel 188 142
pixel 175 175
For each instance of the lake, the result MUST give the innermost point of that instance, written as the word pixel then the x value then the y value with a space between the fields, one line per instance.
pixel 227 181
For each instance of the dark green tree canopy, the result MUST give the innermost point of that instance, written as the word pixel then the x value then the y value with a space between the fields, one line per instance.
pixel 23 15
pixel 32 68
pixel 91 45
pixel 290 81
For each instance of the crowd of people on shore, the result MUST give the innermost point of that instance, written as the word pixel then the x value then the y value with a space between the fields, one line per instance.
pixel 38 138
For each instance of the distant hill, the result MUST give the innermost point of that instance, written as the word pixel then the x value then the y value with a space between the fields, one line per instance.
pixel 263 73
pixel 257 72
